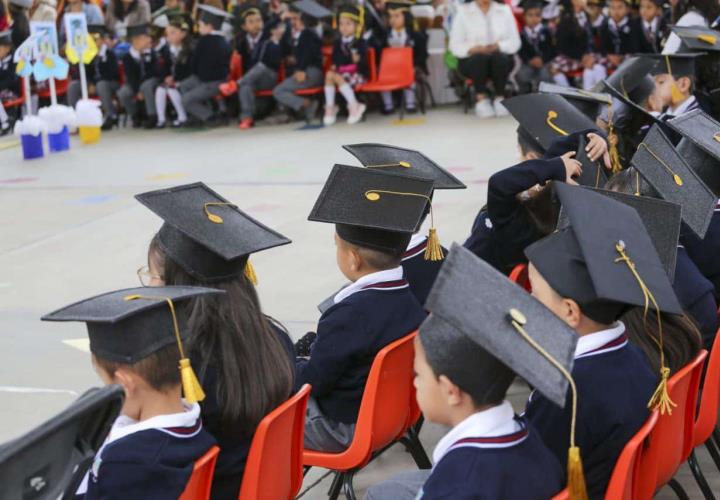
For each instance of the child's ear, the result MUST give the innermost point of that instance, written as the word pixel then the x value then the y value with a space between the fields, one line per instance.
pixel 356 260
pixel 452 393
pixel 572 313
pixel 685 85
pixel 126 379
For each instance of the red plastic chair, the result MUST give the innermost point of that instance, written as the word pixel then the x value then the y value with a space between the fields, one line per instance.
pixel 274 465
pixel 384 415
pixel 396 73
pixel 624 482
pixel 563 495
pixel 198 488
pixel 670 443
pixel 327 62
pixel 236 67
pixel 18 101
pixel 519 275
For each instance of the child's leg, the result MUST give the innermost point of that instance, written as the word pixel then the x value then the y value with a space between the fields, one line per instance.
pixel 409 95
pixel 4 120
pixel 387 101
pixel 106 90
pixel 330 89
pixel 148 90
pixel 161 94
pixel 74 92
pixel 403 486
pixel 323 434
pixel 126 95
pixel 260 77
pixel 176 99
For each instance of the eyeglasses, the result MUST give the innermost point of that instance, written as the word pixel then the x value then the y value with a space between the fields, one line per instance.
pixel 146 277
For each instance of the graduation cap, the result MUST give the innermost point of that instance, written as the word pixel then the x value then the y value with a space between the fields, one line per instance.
pixel 547 116
pixel 355 13
pixel 399 5
pixel 24 4
pixel 6 37
pixel 698 38
pixel 97 29
pixel 631 82
pixel 532 4
pixel 661 220
pixel 664 168
pixel 137 30
pixel 248 10
pixel 213 16
pixel 701 145
pixel 311 9
pixel 586 101
pixel 593 172
pixel 376 210
pixel 483 327
pixel 676 65
pixel 205 234
pixel 405 162
pixel 52 459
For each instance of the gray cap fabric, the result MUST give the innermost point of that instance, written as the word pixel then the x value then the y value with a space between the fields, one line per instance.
pixel 593 172
pixel 698 38
pixel 704 132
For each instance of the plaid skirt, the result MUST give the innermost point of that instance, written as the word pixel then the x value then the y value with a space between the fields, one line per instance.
pixel 353 78
pixel 565 64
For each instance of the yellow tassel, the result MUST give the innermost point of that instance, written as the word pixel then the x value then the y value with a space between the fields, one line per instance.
pixel 577 490
pixel 433 250
pixel 615 159
pixel 675 95
pixel 250 273
pixel 707 39
pixel 660 400
pixel 192 390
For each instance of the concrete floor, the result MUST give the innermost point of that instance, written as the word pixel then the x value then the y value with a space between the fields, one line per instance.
pixel 70 228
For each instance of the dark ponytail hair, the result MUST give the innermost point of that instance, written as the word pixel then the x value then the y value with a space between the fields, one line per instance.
pixel 230 332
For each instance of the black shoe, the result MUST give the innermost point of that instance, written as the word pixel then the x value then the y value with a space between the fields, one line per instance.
pixel 159 125
pixel 311 111
pixel 216 121
pixel 193 123
pixel 386 111
pixel 5 130
pixel 178 124
pixel 304 345
pixel 110 123
pixel 411 111
pixel 137 122
pixel 150 122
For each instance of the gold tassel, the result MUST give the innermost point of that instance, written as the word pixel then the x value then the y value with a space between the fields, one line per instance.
pixel 711 39
pixel 192 390
pixel 433 250
pixel 250 273
pixel 612 141
pixel 675 95
pixel 577 490
pixel 660 400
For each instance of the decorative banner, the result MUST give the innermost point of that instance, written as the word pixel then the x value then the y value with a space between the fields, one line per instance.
pixel 48 63
pixel 24 56
pixel 80 44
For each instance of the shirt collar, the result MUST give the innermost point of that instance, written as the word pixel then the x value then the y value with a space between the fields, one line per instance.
pixel 496 421
pixel 254 39
pixel 135 54
pixel 619 25
pixel 596 340
pixel 683 107
pixel 416 239
pixel 124 425
pixel 347 39
pixel 395 274
pixel 652 25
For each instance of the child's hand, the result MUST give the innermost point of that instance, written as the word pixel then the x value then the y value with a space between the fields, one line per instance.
pixel 572 167
pixel 356 57
pixel 615 59
pixel 91 89
pixel 300 76
pixel 596 148
pixel 139 96
pixel 536 62
pixel 169 81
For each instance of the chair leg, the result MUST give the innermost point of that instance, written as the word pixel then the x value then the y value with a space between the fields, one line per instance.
pixel 414 446
pixel 713 451
pixel 337 483
pixel 433 104
pixel 678 489
pixel 716 437
pixel 402 107
pixel 348 485
pixel 418 425
pixel 699 477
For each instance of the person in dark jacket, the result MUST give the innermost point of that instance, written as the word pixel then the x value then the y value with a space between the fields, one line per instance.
pixel 536 50
pixel 653 26
pixel 140 79
pixel 621 34
pixel 173 67
pixel 9 81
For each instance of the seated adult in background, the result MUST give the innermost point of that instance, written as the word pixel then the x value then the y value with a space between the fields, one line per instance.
pixel 484 36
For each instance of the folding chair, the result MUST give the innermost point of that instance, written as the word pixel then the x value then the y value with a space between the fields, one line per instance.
pixel 274 468
pixel 383 418
pixel 198 487
pixel 563 495
pixel 396 73
pixel 519 276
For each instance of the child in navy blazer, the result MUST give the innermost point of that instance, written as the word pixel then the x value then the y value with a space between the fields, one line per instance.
pixel 536 49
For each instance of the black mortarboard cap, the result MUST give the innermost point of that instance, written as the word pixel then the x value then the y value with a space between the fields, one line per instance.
pixel 677 65
pixel 405 162
pixel 547 116
pixel 586 101
pixel 470 305
pixel 593 172
pixel 128 325
pixel 372 209
pixel 399 4
pixel 205 234
pixel 583 261
pixel 660 218
pixel 99 29
pixel 137 30
pixel 698 38
pixel 310 8
pixel 631 82
pixel 6 37
pixel 213 16
pixel 248 9
pixel 702 147
pixel 532 4
pixel 52 459
pixel 665 170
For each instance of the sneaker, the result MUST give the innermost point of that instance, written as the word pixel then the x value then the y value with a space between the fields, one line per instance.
pixel 5 129
pixel 500 110
pixel 330 115
pixel 483 109
pixel 160 125
pixel 356 113
pixel 245 123
pixel 304 345
pixel 228 88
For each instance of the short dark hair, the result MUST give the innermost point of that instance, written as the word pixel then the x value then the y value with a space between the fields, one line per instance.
pixel 380 260
pixel 160 369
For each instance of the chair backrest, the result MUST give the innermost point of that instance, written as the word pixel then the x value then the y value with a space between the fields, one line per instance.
pixel 396 66
pixel 519 275
pixel 372 64
pixel 236 67
pixel 274 464
pixel 709 398
pixel 670 443
pixel 198 488
pixel 624 480
pixel 563 495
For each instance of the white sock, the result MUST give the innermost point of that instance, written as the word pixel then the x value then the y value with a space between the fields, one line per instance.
pixel 561 79
pixel 409 95
pixel 593 75
pixel 387 100
pixel 3 116
pixel 347 92
pixel 161 103
pixel 176 100
pixel 329 95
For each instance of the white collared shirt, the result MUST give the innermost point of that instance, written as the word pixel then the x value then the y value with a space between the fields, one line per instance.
pixel 616 27
pixel 369 279
pixel 253 41
pixel 682 107
pixel 397 38
pixel 496 421
pixel 651 26
pixel 471 27
pixel 596 340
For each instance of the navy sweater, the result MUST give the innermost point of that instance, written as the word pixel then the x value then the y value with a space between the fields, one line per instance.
pixel 419 272
pixel 211 59
pixel 697 296
pixel 265 51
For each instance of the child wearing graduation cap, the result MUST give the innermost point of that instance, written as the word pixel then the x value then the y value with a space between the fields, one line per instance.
pixel 140 80
pixel 349 66
pixel 420 266
pixel 244 359
pixel 9 81
pixel 589 273
pixel 305 61
pixel 484 330
pixel 210 66
pixel 674 84
pixel 536 49
pixel 375 215
pixel 136 340
pixel 259 46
